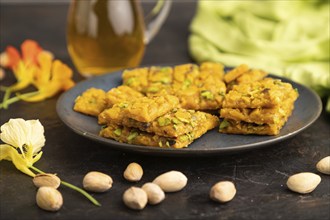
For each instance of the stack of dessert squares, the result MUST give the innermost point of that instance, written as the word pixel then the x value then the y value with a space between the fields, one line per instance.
pixel 155 121
pixel 255 105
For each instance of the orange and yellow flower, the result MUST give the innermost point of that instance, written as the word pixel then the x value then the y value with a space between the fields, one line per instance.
pixel 35 66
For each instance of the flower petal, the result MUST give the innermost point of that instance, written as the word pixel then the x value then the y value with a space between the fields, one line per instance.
pixel 11 154
pixel 36 137
pixel 24 75
pixel 30 50
pixel 12 57
pixel 15 132
pixel 5 152
pixel 37 157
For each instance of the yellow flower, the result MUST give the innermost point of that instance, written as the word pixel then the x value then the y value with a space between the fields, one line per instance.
pixel 23 142
pixel 50 78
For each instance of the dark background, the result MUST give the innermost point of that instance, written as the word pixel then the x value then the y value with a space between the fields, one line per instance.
pixel 259 175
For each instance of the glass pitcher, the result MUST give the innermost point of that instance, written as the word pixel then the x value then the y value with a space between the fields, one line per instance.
pixel 107 35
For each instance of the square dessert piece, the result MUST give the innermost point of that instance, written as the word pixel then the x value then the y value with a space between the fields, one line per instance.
pixel 235 73
pixel 91 102
pixel 121 94
pixel 173 124
pixel 242 74
pixel 261 115
pixel 199 88
pixel 265 93
pixel 240 127
pixel 148 80
pixel 135 136
pixel 144 109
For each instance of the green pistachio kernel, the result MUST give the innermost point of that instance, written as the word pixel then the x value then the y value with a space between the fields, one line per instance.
pixel 224 124
pixel 207 94
pixel 132 135
pixel 176 121
pixel 117 132
pixel 130 81
pixel 186 83
pixel 123 105
pixel 183 138
pixel 163 121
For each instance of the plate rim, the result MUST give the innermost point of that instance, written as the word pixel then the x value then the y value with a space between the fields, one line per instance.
pixel 183 151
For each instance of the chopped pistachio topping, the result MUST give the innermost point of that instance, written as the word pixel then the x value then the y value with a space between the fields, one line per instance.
pixel 224 124
pixel 130 81
pixel 132 135
pixel 122 105
pixel 183 138
pixel 117 132
pixel 176 121
pixel 163 121
pixel 183 116
pixel 186 83
pixel 207 94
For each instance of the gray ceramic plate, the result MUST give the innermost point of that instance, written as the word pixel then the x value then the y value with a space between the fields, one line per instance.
pixel 307 109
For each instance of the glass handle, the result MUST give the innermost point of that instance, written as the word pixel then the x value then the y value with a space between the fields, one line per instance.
pixel 156 18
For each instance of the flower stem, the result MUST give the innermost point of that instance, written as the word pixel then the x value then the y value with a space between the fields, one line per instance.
pixel 69 185
pixel 6 97
pixel 7 102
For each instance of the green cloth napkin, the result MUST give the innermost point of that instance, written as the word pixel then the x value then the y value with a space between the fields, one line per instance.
pixel 286 38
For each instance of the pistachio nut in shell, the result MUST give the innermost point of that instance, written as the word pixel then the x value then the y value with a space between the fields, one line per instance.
pixel 323 165
pixel 97 182
pixel 171 181
pixel 133 172
pixel 135 198
pixel 154 192
pixel 304 182
pixel 49 198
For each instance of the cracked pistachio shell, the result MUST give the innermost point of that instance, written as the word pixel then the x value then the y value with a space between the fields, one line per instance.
pixel 46 179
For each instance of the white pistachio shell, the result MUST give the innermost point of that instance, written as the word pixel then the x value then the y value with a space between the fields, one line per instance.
pixel 97 182
pixel 171 181
pixel 303 182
